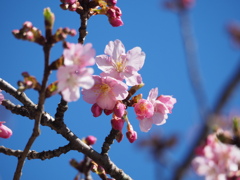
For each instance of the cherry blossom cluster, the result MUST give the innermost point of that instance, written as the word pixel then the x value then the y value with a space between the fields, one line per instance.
pixel 216 160
pixel 109 90
pixel 75 73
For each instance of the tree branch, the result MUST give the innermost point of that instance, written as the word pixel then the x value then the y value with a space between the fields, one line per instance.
pixel 37 155
pixel 76 143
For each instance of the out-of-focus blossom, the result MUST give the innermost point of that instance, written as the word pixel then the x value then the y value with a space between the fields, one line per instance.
pixel 215 160
pixel 80 55
pixel 5 132
pixel 90 140
pixel 179 4
pixel 121 65
pixel 96 110
pixel 161 105
pixel 71 78
pixel 1 96
pixel 106 92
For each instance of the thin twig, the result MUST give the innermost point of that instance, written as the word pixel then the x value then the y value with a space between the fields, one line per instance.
pixel 192 63
pixel 37 155
pixel 41 100
pixel 84 16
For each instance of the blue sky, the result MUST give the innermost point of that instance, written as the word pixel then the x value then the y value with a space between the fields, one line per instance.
pixel 147 25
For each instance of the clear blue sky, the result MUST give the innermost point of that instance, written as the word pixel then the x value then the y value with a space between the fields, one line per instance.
pixel 156 31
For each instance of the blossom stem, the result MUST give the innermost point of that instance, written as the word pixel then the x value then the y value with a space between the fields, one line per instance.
pixel 84 16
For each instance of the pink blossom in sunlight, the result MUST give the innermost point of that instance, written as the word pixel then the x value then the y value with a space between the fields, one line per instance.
pixel 154 110
pixel 216 161
pixel 5 132
pixel 80 55
pixel 119 109
pixel 106 92
pixel 71 78
pixel 1 97
pixel 121 65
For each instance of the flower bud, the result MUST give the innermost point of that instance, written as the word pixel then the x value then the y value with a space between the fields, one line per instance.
pixel 90 140
pixel 96 110
pixel 132 136
pixel 49 18
pixel 107 112
pixel 117 123
pixel 5 132
pixel 119 109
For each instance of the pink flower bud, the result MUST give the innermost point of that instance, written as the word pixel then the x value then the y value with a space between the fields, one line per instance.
pixel 115 22
pixel 72 7
pixel 119 109
pixel 107 112
pixel 27 25
pixel 117 123
pixel 132 136
pixel 144 109
pixel 1 97
pixel 90 140
pixel 111 2
pixel 5 132
pixel 72 32
pixel 29 36
pixel 69 1
pixel 96 110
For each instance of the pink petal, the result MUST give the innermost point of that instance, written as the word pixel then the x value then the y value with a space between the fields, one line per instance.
pixel 145 124
pixel 104 63
pixel 115 49
pixel 159 118
pixel 106 101
pixel 133 80
pixel 153 94
pixel 135 58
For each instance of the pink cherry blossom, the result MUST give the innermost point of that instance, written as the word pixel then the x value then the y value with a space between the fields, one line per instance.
pixel 5 132
pixel 216 160
pixel 106 92
pixel 157 113
pixel 1 97
pixel 80 55
pixel 71 78
pixel 120 65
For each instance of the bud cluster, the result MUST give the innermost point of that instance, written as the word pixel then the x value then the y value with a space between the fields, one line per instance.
pixel 109 8
pixel 70 5
pixel 30 33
